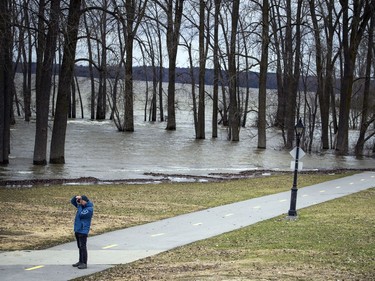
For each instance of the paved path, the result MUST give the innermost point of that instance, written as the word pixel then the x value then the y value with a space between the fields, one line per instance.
pixel 130 244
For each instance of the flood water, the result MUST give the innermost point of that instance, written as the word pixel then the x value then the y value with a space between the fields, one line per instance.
pixel 98 149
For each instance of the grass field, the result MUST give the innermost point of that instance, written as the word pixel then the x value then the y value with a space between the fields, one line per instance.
pixel 330 241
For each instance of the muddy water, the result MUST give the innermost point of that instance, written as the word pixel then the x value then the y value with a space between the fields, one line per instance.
pixel 97 149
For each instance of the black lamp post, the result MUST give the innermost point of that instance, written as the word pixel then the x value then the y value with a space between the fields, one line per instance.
pixel 292 211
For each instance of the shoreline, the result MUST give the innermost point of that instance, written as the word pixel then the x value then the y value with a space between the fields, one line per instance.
pixel 155 178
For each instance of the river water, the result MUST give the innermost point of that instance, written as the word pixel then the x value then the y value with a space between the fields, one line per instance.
pixel 98 149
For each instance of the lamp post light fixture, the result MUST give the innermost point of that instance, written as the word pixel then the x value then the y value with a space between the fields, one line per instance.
pixel 293 201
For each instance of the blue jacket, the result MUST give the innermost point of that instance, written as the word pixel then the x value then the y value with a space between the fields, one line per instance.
pixel 83 218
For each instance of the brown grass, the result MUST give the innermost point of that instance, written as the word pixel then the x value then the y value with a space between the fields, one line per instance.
pixel 329 241
pixel 42 216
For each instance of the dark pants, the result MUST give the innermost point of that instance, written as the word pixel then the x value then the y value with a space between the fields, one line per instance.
pixel 82 246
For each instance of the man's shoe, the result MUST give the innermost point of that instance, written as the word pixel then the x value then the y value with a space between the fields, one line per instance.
pixel 76 264
pixel 82 266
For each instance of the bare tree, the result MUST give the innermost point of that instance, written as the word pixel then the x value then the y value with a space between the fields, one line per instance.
pixel 101 103
pixel 173 10
pixel 90 65
pixel 365 120
pixel 263 77
pixel 324 96
pixel 157 22
pixel 279 50
pixel 150 51
pixel 292 69
pixel 354 24
pixel 43 90
pixel 5 80
pixel 234 112
pixel 26 48
pixel 203 48
pixel 130 18
pixel 57 155
pixel 215 100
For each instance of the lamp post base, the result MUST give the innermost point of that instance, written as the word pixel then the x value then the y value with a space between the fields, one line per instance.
pixel 291 218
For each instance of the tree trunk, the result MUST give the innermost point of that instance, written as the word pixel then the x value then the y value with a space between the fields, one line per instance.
pixel 129 110
pixel 193 87
pixel 350 43
pixel 27 60
pixel 90 66
pixel 57 155
pixel 366 91
pixel 173 35
pixel 43 92
pixel 234 114
pixel 215 101
pixel 160 74
pixel 201 134
pixel 262 97
pixel 154 91
pixel 279 49
pixel 102 91
pixel 293 83
pixel 321 81
pixel 5 81
pixel 291 95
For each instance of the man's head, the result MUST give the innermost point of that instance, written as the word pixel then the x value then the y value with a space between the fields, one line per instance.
pixel 82 200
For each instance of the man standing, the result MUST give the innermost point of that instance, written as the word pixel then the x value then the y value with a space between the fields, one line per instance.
pixel 82 223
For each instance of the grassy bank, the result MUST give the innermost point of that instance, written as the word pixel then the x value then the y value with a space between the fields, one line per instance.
pixel 42 216
pixel 329 241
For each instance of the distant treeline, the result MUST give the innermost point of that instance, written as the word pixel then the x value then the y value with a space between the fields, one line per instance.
pixel 145 73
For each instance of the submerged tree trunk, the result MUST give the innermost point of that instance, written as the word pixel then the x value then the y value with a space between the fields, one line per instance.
pixel 128 95
pixel 173 35
pixel 234 114
pixel 292 60
pixel 262 138
pixel 365 121
pixel 43 91
pixel 279 50
pixel 5 81
pixel 353 29
pixel 201 131
pixel 57 155
pixel 215 101
pixel 323 95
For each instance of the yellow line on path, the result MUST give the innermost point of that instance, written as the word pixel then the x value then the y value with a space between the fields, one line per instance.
pixel 158 234
pixel 35 267
pixel 109 246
